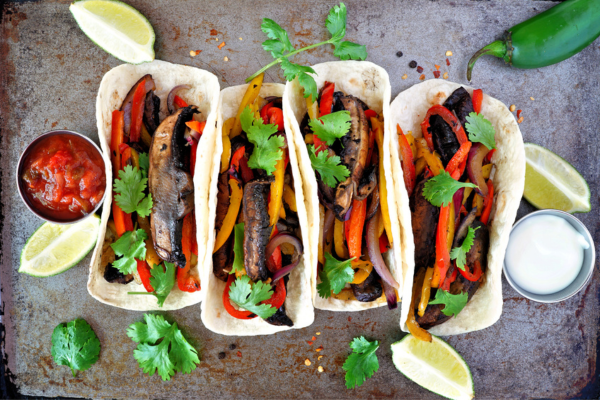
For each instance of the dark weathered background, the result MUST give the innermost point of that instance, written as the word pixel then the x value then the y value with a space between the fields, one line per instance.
pixel 49 74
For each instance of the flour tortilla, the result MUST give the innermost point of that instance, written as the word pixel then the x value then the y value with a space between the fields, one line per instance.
pixel 371 84
pixel 408 110
pixel 298 303
pixel 204 93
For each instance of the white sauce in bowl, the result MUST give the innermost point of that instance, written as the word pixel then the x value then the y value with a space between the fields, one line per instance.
pixel 544 254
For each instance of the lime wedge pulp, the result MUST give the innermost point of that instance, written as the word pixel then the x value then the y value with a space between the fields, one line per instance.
pixel 435 366
pixel 117 28
pixel 551 182
pixel 55 248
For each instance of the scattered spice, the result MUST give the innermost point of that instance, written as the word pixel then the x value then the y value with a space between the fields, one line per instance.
pixel 319 348
pixel 221 355
pixel 447 62
pixel 239 354
pixel 449 53
pixel 520 120
pixel 216 39
pixel 225 58
pixel 412 64
pixel 445 76
pixel 318 358
pixel 437 67
pixel 512 108
pixel 221 45
pixel 214 32
pixel 519 113
pixel 531 98
pixel 404 76
pixel 320 369
pixel 309 342
pixel 419 69
pixel 307 362
pixel 436 74
pixel 241 39
pixel 422 77
pixel 232 346
pixel 349 319
pixel 399 54
pixel 313 338
pixel 318 333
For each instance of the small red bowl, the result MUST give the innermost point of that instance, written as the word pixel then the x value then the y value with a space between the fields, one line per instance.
pixel 38 209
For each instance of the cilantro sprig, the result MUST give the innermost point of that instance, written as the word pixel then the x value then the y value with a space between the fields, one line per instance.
pixel 329 168
pixel 248 296
pixel 460 253
pixel 76 345
pixel 481 130
pixel 453 303
pixel 334 276
pixel 172 353
pixel 162 281
pixel 267 146
pixel 144 161
pixel 440 189
pixel 129 246
pixel 238 249
pixel 130 188
pixel 362 363
pixel 281 49
pixel 331 126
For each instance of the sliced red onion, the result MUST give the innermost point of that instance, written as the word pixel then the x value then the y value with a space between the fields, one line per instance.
pixel 127 118
pixel 390 295
pixel 474 167
pixel 171 97
pixel 457 200
pixel 347 216
pixel 375 254
pixel 277 240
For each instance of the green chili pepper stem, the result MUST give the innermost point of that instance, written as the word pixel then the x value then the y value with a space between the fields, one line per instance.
pixel 496 49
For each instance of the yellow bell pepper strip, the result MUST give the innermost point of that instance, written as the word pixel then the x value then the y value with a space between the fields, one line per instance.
pixel 486 170
pixel 146 137
pixel 289 197
pixel 425 291
pixel 411 322
pixel 320 255
pixel 276 200
pixel 282 212
pixel 450 227
pixel 248 99
pixel 151 257
pixel 312 107
pixel 466 193
pixel 346 294
pixel 478 202
pixel 338 240
pixel 385 213
pixel 357 224
pixel 226 155
pixel 420 166
pixel 411 142
pixel 235 200
pixel 433 161
pixel 309 138
pixel 364 270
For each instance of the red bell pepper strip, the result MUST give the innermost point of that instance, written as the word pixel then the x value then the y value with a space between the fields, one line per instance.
pixel 326 98
pixel 450 120
pixel 370 114
pixel 477 100
pixel 475 275
pixel 488 202
pixel 490 154
pixel 247 174
pixel 278 297
pixel 137 112
pixel 372 135
pixel 186 281
pixel 408 165
pixel 442 253
pixel 179 102
pixel 144 272
pixel 384 243
pixel 275 115
pixel 459 158
pixel 449 279
pixel 239 314
pixel 264 110
pixel 462 166
pixel 116 138
pixel 357 223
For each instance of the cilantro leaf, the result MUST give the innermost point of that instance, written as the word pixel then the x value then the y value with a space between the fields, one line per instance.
pixel 248 296
pixel 460 253
pixel 336 22
pixel 238 249
pixel 362 363
pixel 280 42
pixel 267 146
pixel 481 130
pixel 440 189
pixel 350 51
pixel 130 188
pixel 129 246
pixel 329 168
pixel 331 126
pixel 162 281
pixel 334 276
pixel 172 354
pixel 144 161
pixel 291 70
pixel 76 345
pixel 453 303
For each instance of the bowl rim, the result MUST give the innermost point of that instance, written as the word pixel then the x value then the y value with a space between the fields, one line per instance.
pixel 543 298
pixel 20 165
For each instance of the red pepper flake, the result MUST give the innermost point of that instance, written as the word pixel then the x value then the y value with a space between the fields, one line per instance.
pixel 419 69
pixel 319 348
pixel 221 45
pixel 436 74
pixel 437 67
pixel 519 114
pixel 309 342
pixel 349 319
pixel 213 32
pixel 447 62
pixel 313 338
pixel 239 354
pixel 422 77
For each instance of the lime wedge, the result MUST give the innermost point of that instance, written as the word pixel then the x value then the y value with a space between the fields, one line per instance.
pixel 117 28
pixel 55 248
pixel 435 366
pixel 551 182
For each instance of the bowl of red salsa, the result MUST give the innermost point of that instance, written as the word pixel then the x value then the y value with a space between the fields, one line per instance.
pixel 61 177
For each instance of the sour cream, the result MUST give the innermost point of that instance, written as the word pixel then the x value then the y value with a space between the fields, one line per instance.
pixel 544 254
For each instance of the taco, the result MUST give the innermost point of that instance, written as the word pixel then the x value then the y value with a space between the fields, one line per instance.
pixel 345 164
pixel 257 276
pixel 158 146
pixel 460 161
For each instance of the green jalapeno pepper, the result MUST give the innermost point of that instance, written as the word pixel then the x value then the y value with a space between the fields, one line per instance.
pixel 548 38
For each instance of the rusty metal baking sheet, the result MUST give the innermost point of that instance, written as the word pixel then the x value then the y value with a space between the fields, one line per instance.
pixel 49 75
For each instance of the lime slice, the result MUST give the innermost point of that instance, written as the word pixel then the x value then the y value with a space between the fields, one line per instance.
pixel 55 248
pixel 551 182
pixel 117 28
pixel 435 366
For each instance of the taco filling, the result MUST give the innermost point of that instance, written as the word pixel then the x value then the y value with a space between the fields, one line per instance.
pixel 258 235
pixel 344 139
pixel 151 235
pixel 447 176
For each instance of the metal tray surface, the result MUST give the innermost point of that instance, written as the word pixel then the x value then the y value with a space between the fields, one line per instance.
pixel 49 75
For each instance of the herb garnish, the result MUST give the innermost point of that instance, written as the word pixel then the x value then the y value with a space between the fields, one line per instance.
pixel 130 188
pixel 238 249
pixel 76 345
pixel 129 246
pixel 162 281
pixel 329 168
pixel 362 363
pixel 248 296
pixel 460 253
pixel 453 303
pixel 267 146
pixel 440 189
pixel 331 126
pixel 334 276
pixel 481 130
